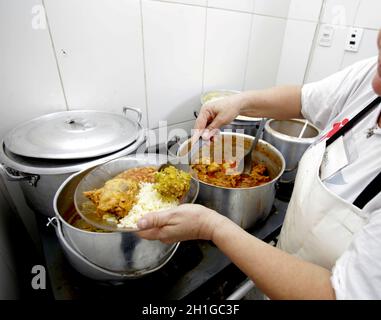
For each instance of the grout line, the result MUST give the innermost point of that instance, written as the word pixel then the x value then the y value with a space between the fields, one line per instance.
pixel 314 41
pixel 248 52
pixel 204 57
pixel 357 11
pixel 55 55
pixel 144 62
pixel 232 10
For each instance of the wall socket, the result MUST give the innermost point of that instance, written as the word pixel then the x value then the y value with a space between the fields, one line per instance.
pixel 354 39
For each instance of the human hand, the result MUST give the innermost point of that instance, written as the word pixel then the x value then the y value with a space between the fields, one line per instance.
pixel 213 115
pixel 185 222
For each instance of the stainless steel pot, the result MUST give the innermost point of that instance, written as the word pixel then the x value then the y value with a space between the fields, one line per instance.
pixel 248 126
pixel 244 125
pixel 284 135
pixel 107 256
pixel 39 179
pixel 244 206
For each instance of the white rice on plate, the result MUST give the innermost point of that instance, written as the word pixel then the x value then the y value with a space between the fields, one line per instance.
pixel 148 200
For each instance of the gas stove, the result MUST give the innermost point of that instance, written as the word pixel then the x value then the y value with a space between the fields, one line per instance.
pixel 198 269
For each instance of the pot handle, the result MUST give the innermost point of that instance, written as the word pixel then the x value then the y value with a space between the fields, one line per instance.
pixel 56 224
pixel 53 221
pixel 136 110
pixel 14 175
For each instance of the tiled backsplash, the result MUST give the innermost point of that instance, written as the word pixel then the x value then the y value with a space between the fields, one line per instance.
pixel 161 55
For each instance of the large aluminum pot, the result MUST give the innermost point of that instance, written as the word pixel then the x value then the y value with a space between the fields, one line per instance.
pixel 244 206
pixel 39 179
pixel 284 135
pixel 115 253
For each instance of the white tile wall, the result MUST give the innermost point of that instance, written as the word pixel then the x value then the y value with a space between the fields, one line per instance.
pixel 369 14
pixel 29 79
pixel 102 67
pixel 340 12
pixel 265 51
pixel 276 8
pixel 227 41
pixel 240 5
pixel 302 11
pixel 174 49
pixel 192 2
pixel 296 50
pixel 367 49
pixel 328 60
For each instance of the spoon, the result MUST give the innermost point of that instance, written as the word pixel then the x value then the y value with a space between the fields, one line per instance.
pixel 303 129
pixel 248 159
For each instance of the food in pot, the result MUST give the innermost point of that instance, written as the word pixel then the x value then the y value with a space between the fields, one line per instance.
pixel 124 199
pixel 148 200
pixel 225 174
pixel 74 219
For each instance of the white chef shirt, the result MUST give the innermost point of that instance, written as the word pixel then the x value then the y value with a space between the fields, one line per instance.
pixel 329 103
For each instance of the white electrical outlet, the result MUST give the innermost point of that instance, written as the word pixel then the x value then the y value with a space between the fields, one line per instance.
pixel 326 36
pixel 354 39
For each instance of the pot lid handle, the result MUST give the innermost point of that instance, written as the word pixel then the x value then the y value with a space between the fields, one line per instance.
pixel 136 110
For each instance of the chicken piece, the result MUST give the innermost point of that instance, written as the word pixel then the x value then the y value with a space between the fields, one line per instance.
pixel 116 197
pixel 214 167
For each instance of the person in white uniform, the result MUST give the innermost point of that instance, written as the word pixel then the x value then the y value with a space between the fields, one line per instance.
pixel 330 243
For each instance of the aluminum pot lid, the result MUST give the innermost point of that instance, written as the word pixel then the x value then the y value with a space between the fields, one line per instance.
pixel 72 135
pixel 53 167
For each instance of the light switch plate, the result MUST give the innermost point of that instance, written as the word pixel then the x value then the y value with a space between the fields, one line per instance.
pixel 354 39
pixel 326 36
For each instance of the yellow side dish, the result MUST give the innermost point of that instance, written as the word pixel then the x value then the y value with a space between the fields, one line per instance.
pixel 172 183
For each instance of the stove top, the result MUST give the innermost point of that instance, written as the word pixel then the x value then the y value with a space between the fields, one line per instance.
pixel 198 269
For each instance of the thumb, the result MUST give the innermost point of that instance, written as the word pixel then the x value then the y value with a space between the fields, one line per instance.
pixel 154 220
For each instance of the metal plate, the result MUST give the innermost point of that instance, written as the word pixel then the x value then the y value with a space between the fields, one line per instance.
pixel 72 135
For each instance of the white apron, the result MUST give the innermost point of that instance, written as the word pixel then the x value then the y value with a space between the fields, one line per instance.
pixel 319 225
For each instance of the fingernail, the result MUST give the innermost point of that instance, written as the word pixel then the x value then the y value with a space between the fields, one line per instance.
pixel 143 223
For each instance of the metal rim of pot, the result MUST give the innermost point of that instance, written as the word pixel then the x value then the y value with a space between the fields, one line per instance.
pixel 289 138
pixel 253 122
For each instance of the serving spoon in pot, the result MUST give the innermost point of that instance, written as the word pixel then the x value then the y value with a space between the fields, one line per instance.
pixel 248 159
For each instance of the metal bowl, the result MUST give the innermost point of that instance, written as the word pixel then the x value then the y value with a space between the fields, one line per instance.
pixel 116 252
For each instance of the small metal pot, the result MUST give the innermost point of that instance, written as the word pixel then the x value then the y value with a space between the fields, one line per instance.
pixel 111 255
pixel 284 135
pixel 244 206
